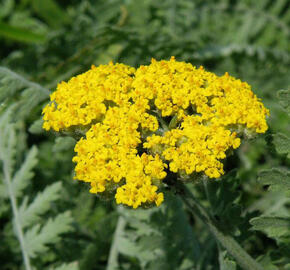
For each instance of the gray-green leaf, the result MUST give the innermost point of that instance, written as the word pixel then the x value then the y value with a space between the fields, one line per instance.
pixel 21 178
pixel 38 238
pixel 284 97
pixel 273 226
pixel 276 178
pixel 282 143
pixel 29 214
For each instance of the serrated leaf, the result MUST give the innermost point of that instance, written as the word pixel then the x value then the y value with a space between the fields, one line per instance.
pixel 284 100
pixel 276 178
pixel 21 178
pixel 165 232
pixel 126 245
pixel 282 143
pixel 273 226
pixel 272 203
pixel 30 94
pixel 130 248
pixel 37 239
pixel 29 214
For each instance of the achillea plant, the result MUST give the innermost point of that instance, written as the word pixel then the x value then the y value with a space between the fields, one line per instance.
pixel 142 124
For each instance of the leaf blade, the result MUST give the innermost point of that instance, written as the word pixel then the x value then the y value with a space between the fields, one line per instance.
pixel 20 34
pixel 24 174
pixel 38 239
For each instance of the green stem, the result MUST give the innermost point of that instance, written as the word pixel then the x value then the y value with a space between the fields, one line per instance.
pixel 204 181
pixel 228 242
pixel 114 251
pixel 18 227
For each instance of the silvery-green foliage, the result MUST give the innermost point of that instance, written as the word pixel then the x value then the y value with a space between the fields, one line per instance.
pixel 44 43
pixel 277 224
pixel 154 236
pixel 284 100
pixel 33 232
pixel 15 87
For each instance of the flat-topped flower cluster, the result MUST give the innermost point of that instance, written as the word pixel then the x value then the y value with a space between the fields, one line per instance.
pixel 142 123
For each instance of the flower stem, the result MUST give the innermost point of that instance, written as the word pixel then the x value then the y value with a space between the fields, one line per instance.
pixel 113 255
pixel 228 242
pixel 18 227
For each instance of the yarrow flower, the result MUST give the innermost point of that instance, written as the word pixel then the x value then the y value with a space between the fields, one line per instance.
pixel 142 124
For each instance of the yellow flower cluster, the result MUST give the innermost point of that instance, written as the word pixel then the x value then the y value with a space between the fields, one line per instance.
pixel 84 99
pixel 194 147
pixel 180 88
pixel 109 160
pixel 168 115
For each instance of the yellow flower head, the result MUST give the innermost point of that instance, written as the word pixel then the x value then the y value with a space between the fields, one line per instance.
pixel 84 99
pixel 167 116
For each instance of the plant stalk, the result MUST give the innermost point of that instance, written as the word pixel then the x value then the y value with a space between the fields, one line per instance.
pixel 18 227
pixel 114 251
pixel 227 241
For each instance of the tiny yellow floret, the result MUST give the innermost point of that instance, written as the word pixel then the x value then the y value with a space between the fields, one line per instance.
pixel 142 123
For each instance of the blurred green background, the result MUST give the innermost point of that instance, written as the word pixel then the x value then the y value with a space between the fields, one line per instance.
pixel 47 41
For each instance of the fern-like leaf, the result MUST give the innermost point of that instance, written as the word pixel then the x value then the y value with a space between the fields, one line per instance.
pixel 278 179
pixel 274 227
pixel 7 156
pixel 154 231
pixel 284 98
pixel 31 93
pixel 33 239
pixel 12 83
pixel 282 144
pixel 21 178
pixel 29 214
pixel 38 238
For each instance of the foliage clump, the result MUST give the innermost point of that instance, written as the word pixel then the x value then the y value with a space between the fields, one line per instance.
pixel 45 42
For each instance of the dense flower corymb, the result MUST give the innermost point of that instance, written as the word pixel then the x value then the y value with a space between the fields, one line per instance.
pixel 83 99
pixel 141 124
